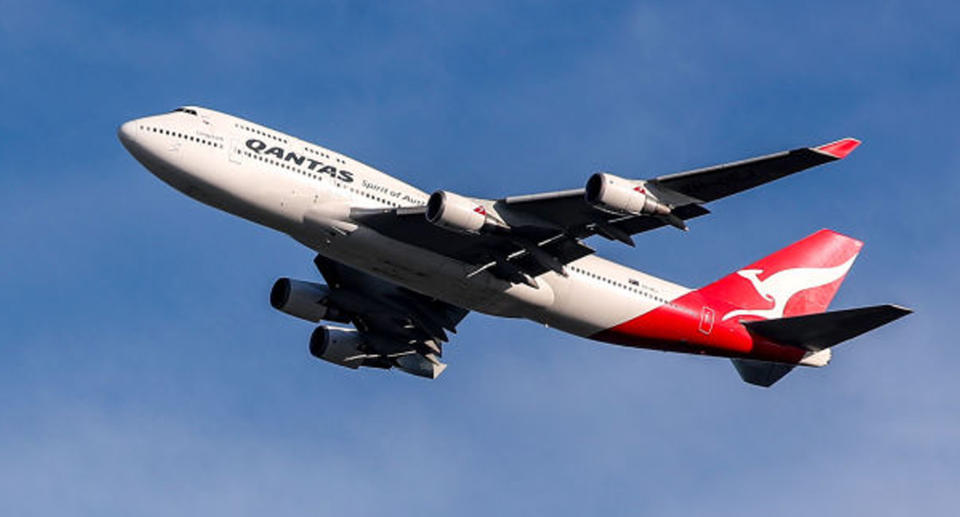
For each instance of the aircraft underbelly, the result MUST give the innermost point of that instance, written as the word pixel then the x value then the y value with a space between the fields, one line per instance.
pixel 417 269
pixel 566 303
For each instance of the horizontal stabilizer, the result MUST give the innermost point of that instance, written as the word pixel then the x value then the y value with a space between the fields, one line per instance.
pixel 761 373
pixel 816 332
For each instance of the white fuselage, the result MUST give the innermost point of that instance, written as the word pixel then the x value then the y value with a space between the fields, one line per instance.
pixel 306 191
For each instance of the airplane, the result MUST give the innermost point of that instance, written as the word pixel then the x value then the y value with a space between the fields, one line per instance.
pixel 403 267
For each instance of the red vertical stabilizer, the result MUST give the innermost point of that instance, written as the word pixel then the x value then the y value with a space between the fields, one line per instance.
pixel 797 280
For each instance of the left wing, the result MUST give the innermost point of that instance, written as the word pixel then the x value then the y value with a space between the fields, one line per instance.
pixel 518 238
pixel 400 328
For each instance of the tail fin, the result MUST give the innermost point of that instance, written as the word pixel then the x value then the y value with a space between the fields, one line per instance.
pixel 797 280
pixel 782 299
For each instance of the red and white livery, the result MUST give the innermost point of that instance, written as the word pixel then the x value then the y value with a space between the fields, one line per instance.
pixel 403 267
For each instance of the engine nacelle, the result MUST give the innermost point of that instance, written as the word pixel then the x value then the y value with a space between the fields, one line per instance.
pixel 337 345
pixel 622 196
pixel 305 300
pixel 455 212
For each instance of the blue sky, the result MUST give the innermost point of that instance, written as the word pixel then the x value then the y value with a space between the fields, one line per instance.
pixel 143 371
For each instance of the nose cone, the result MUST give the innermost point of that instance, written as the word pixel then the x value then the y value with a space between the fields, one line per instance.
pixel 138 144
pixel 126 133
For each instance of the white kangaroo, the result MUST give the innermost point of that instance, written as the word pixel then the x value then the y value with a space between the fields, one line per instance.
pixel 781 286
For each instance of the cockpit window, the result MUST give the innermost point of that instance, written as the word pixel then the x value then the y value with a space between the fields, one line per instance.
pixel 185 110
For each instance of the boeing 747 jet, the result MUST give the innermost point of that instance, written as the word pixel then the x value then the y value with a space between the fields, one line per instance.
pixel 403 267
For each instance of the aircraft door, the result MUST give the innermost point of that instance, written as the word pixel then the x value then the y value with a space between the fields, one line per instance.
pixel 236 151
pixel 707 318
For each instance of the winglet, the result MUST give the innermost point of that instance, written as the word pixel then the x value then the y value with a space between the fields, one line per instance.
pixel 839 149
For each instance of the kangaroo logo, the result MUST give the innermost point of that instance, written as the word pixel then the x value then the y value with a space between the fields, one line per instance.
pixel 781 286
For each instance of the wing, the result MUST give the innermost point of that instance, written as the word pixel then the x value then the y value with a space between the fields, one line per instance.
pixel 401 328
pixel 711 183
pixel 537 233
pixel 688 188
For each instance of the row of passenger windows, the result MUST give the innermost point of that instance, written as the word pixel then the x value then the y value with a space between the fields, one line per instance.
pixel 325 155
pixel 315 152
pixel 284 140
pixel 621 285
pixel 319 177
pixel 182 136
pixel 260 132
pixel 285 165
pixel 385 201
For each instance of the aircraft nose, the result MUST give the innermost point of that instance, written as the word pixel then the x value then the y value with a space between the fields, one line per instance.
pixel 126 132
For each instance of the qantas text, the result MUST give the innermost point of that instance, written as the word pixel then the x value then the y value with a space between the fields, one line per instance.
pixel 260 147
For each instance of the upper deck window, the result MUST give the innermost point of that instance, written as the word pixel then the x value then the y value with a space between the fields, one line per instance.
pixel 186 110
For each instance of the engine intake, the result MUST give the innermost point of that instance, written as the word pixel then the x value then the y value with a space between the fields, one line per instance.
pixel 455 212
pixel 622 196
pixel 305 300
pixel 337 345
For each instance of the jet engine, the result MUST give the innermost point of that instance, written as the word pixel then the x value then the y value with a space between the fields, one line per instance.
pixel 622 196
pixel 455 212
pixel 337 345
pixel 305 300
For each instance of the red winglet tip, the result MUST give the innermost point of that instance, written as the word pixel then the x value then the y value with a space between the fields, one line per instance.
pixel 839 149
